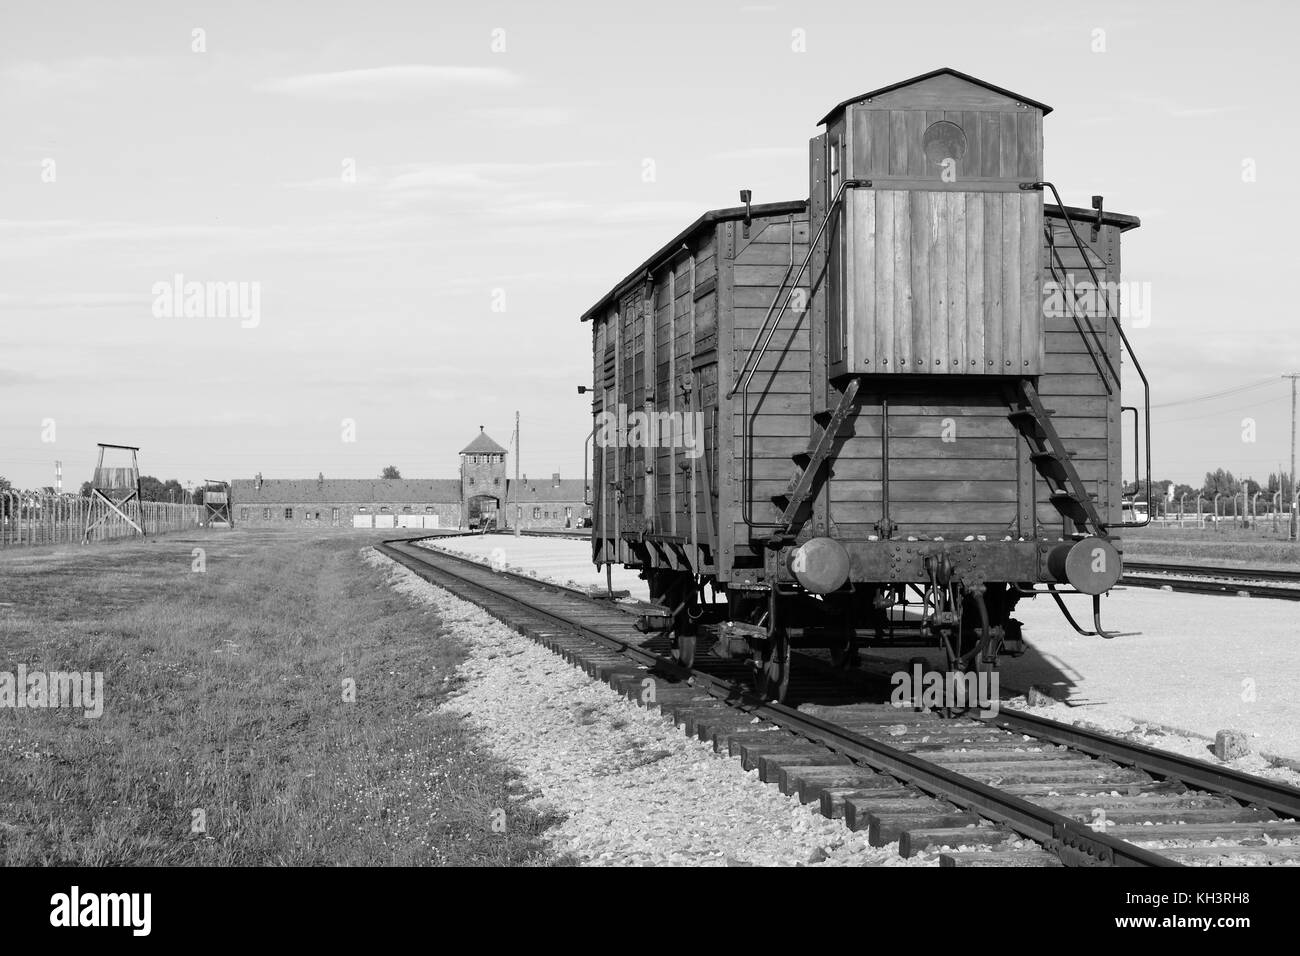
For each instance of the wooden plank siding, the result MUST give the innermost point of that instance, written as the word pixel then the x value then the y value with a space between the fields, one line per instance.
pixel 779 396
pixel 940 283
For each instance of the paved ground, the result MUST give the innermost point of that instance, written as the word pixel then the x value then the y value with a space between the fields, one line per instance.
pixel 1189 662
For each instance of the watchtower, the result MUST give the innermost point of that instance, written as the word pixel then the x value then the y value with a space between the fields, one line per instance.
pixel 216 504
pixel 115 491
pixel 482 479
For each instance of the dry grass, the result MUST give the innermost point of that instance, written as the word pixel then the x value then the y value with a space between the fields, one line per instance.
pixel 224 693
pixel 1257 548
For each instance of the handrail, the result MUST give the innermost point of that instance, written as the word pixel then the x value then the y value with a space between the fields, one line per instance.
pixel 1059 279
pixel 839 195
pixel 747 374
pixel 1146 385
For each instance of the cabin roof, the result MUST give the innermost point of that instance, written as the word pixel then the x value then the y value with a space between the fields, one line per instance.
pixel 1078 214
pixel 942 71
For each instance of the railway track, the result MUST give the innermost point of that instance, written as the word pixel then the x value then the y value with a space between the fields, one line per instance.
pixel 1010 789
pixel 1202 579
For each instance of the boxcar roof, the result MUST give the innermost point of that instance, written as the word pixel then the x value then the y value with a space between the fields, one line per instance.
pixel 673 246
pixel 942 71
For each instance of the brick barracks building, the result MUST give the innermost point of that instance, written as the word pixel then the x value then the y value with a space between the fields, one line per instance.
pixel 483 492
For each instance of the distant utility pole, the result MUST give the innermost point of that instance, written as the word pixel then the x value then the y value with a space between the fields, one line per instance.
pixel 518 512
pixel 1291 525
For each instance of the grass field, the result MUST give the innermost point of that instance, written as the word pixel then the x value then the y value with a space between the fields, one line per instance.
pixel 1257 548
pixel 224 703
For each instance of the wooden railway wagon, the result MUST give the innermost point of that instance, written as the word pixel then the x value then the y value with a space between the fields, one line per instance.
pixel 880 415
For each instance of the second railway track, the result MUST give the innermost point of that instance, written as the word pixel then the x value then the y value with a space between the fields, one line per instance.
pixel 1012 789
pixel 1203 579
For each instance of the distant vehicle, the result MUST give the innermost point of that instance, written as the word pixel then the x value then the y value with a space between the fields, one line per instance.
pixel 1134 510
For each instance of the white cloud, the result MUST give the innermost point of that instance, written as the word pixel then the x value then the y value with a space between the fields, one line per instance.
pixel 392 82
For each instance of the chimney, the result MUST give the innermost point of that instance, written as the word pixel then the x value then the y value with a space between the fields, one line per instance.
pixel 555 479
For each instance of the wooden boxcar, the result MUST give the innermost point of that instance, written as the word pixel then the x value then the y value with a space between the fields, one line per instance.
pixel 907 384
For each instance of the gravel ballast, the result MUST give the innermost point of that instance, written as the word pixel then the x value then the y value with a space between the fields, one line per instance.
pixel 631 787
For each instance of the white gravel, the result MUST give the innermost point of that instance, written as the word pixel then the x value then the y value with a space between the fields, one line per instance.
pixel 633 789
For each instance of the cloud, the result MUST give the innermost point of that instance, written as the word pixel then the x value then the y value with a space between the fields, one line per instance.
pixel 526 116
pixel 392 82
pixel 762 152
pixel 32 77
pixel 11 377
pixel 72 300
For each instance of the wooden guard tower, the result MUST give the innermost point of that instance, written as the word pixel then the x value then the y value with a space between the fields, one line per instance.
pixel 216 504
pixel 115 492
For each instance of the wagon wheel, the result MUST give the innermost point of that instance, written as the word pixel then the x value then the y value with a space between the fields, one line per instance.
pixel 772 681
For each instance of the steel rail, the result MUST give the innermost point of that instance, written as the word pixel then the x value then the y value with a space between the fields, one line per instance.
pixel 1244 574
pixel 1280 593
pixel 1071 840
pixel 1281 799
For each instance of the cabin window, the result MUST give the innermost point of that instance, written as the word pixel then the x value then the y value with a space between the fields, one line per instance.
pixel 288 514
pixel 943 141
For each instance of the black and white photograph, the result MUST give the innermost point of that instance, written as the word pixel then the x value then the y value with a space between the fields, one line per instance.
pixel 735 435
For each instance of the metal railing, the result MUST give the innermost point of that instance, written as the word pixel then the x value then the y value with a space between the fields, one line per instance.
pixel 1127 347
pixel 37 517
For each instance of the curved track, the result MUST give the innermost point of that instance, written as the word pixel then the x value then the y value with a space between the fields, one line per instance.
pixel 986 785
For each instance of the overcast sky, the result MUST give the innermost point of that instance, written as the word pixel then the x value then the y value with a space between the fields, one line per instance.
pixel 498 193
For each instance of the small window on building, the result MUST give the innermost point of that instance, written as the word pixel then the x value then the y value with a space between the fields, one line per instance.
pixel 266 514
pixel 334 515
pixel 243 514
pixel 537 513
pixel 406 509
pixel 428 509
pixel 496 481
pixel 318 516
pixel 385 510
pixel 362 510
pixel 288 514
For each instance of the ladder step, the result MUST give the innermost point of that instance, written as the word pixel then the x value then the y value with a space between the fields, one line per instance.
pixel 1070 505
pixel 1029 425
pixel 1051 466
